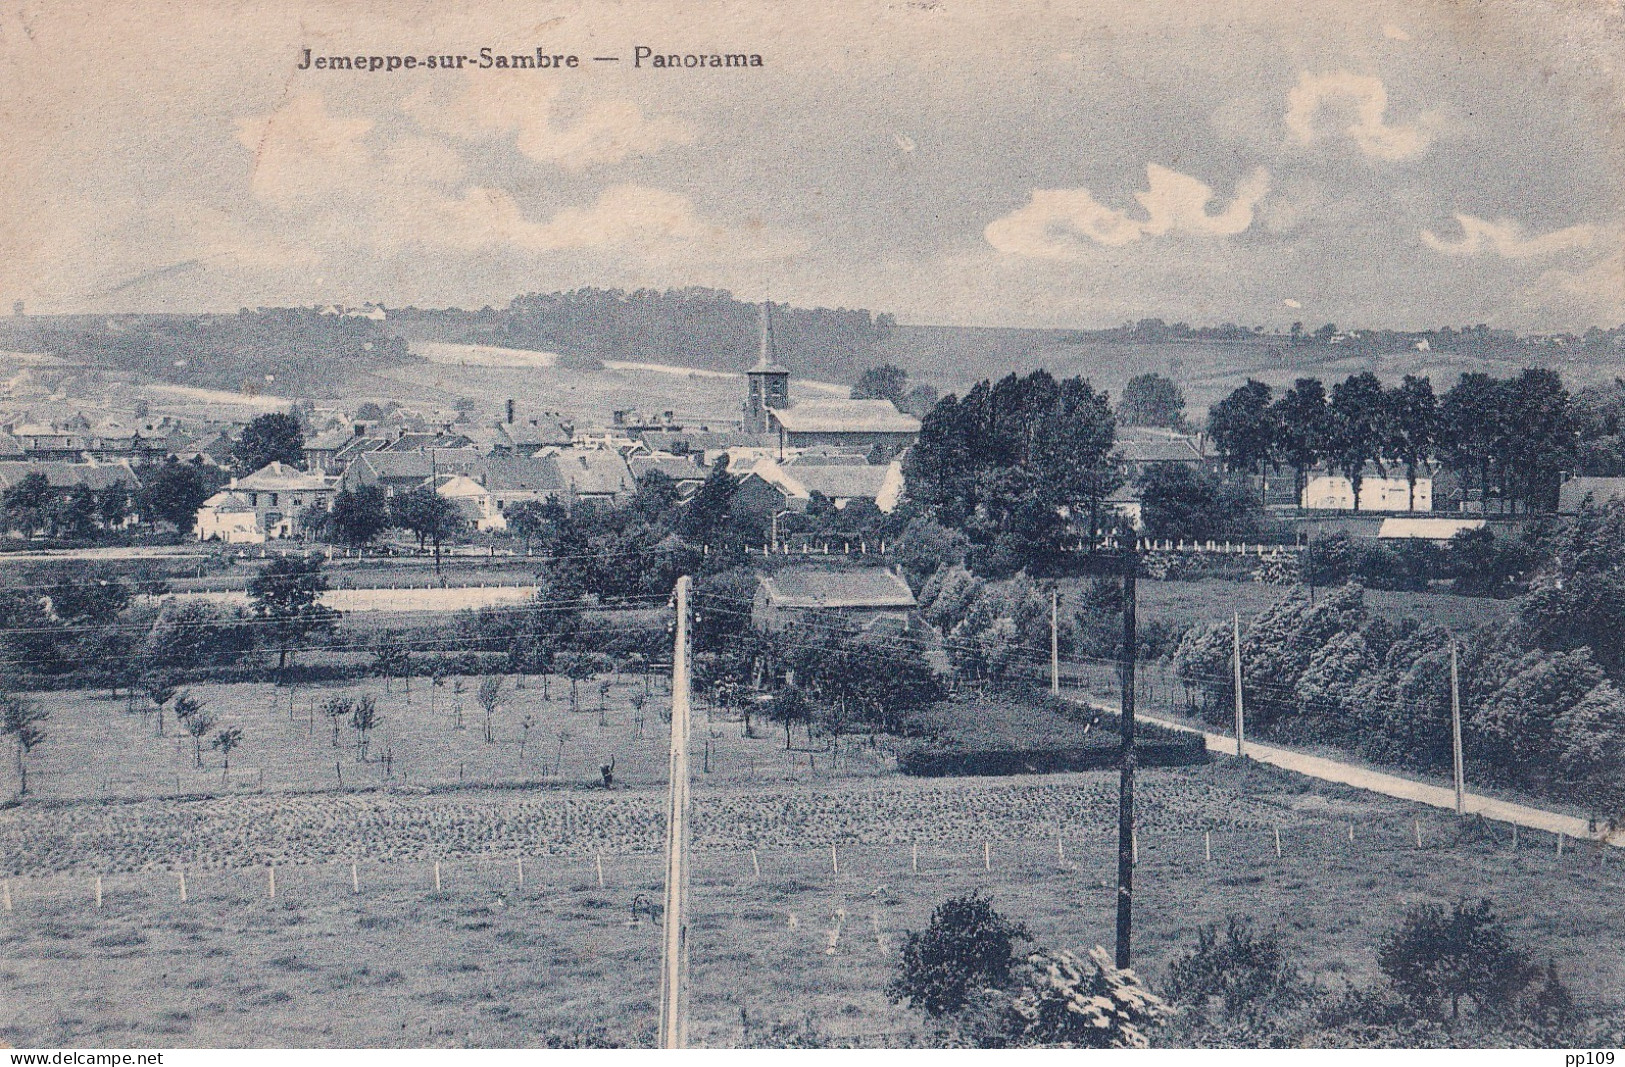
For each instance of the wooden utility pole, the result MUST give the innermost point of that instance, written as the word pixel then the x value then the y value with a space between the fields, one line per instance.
pixel 1235 660
pixel 434 478
pixel 1054 643
pixel 1455 733
pixel 674 952
pixel 1125 788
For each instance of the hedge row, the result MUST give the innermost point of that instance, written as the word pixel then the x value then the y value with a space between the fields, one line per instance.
pixel 929 762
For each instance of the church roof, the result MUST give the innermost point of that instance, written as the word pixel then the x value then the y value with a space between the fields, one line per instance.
pixel 845 416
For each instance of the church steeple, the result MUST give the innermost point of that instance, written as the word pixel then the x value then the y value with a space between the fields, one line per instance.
pixel 767 385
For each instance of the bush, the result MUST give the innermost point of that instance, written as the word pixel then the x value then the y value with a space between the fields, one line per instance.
pixel 1438 956
pixel 1247 973
pixel 967 945
pixel 927 761
pixel 1061 1001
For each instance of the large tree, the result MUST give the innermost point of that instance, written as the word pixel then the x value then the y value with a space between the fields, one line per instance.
pixel 1412 420
pixel 272 437
pixel 1545 438
pixel 27 504
pixel 426 513
pixel 174 491
pixel 1243 427
pixel 358 517
pixel 286 595
pixel 1472 424
pixel 1302 428
pixel 1358 427
pixel 1151 400
pixel 885 382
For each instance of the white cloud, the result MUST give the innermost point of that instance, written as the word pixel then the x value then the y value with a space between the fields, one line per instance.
pixel 1361 102
pixel 1054 222
pixel 1506 238
pixel 608 132
pixel 302 151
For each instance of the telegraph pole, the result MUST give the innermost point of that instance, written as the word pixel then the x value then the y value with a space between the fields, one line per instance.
pixel 1455 733
pixel 674 950
pixel 435 489
pixel 1235 659
pixel 1054 643
pixel 1125 788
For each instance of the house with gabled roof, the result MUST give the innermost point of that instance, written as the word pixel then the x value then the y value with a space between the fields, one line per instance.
pixel 857 596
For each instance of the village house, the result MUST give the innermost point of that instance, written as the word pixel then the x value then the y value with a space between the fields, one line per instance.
pixel 401 472
pixel 1378 492
pixel 596 475
pixel 270 504
pixel 790 487
pixel 474 502
pixel 515 480
pixel 861 597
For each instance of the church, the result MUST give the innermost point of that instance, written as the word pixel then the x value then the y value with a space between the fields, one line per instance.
pixel 853 425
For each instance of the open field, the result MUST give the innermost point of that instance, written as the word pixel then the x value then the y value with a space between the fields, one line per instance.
pixel 486 961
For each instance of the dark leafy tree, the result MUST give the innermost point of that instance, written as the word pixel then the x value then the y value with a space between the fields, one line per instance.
pixel 197 722
pixel 1544 438
pixel 1247 973
pixel 364 719
pixel 1243 428
pixel 1181 503
pixel 1302 427
pixel 286 597
pixel 27 504
pixel 358 517
pixel 1441 957
pixel 426 513
pixel 1359 428
pixel 968 945
pixel 706 519
pixel 1412 423
pixel 1151 400
pixel 274 437
pixel 227 741
pixel 885 382
pixel 1472 425
pixel 174 491
pixel 92 597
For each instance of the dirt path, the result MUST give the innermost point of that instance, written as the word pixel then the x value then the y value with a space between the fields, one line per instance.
pixel 1391 785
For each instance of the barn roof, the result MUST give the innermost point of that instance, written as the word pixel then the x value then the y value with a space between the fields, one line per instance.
pixel 813 588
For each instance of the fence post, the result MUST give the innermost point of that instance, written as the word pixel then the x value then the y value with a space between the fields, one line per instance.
pixel 183 885
pixel 1277 842
pixel 598 862
pixel 355 878
pixel 98 892
pixel 520 863
pixel 437 876
pixel 1207 845
pixel 271 880
pixel 1418 823
pixel 755 864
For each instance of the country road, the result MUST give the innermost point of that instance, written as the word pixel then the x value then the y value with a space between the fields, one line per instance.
pixel 421 598
pixel 1392 785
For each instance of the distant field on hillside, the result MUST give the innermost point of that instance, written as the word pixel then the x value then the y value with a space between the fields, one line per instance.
pixel 954 357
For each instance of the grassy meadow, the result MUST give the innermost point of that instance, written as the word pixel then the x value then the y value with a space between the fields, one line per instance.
pixel 779 937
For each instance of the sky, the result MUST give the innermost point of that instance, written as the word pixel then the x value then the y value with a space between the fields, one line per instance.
pixel 1077 164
